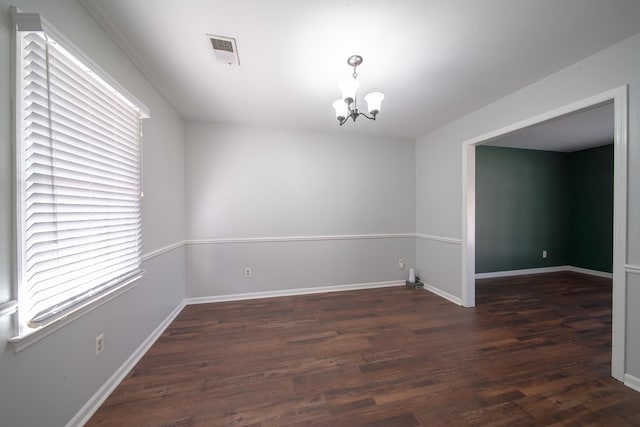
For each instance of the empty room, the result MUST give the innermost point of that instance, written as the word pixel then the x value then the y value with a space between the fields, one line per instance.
pixel 324 213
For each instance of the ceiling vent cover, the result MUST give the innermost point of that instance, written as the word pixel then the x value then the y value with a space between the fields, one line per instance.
pixel 225 49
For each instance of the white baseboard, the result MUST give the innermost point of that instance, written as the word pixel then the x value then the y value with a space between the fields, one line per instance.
pixel 632 382
pixel 446 295
pixel 291 292
pixel 589 272
pixel 521 272
pixel 94 403
pixel 554 269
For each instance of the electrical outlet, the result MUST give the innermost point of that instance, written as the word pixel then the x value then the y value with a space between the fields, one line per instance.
pixel 247 272
pixel 401 264
pixel 99 344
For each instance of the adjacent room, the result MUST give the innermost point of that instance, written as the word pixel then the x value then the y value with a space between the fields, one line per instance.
pixel 319 213
pixel 544 196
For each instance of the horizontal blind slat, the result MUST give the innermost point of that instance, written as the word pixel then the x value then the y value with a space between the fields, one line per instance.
pixel 67 130
pixel 65 264
pixel 98 93
pixel 49 298
pixel 69 237
pixel 48 249
pixel 37 135
pixel 79 276
pixel 79 272
pixel 103 193
pixel 73 171
pixel 74 76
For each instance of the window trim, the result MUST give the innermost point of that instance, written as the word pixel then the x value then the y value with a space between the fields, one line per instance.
pixel 35 22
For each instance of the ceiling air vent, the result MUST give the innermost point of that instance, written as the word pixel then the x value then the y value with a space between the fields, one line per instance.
pixel 225 49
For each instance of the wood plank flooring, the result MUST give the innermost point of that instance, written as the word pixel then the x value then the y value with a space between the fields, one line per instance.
pixel 535 351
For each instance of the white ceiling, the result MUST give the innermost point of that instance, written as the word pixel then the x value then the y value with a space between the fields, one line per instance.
pixel 588 128
pixel 435 60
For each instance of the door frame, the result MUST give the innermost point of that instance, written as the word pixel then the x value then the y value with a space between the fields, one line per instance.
pixel 620 143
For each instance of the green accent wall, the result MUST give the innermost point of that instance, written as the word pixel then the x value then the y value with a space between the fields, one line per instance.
pixel 520 208
pixel 528 201
pixel 590 181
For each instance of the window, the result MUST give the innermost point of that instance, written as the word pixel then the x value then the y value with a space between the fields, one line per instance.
pixel 79 228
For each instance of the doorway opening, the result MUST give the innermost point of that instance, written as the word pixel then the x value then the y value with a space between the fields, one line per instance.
pixel 619 99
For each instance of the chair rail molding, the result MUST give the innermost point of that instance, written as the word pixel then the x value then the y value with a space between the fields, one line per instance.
pixel 272 239
pixel 632 269
pixel 452 240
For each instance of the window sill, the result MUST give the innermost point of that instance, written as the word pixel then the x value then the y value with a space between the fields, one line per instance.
pixel 20 342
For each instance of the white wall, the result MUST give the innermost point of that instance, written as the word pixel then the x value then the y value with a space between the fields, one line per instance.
pixel 245 183
pixel 49 382
pixel 439 155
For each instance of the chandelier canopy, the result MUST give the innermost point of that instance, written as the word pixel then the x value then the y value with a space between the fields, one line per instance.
pixel 348 105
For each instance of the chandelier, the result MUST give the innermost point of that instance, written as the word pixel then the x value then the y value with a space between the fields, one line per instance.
pixel 348 105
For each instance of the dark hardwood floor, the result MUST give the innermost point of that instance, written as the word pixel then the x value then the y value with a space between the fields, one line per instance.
pixel 535 351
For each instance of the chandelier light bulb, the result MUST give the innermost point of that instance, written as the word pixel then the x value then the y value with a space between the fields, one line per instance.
pixel 374 101
pixel 342 111
pixel 349 88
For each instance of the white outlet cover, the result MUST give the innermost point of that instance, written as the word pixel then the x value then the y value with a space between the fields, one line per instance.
pixel 99 344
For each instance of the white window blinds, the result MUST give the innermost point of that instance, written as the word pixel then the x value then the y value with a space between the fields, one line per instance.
pixel 79 143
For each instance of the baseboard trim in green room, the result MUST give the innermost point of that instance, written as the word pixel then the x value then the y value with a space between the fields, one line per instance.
pixel 554 269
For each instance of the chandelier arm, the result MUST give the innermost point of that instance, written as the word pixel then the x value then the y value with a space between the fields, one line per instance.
pixel 368 117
